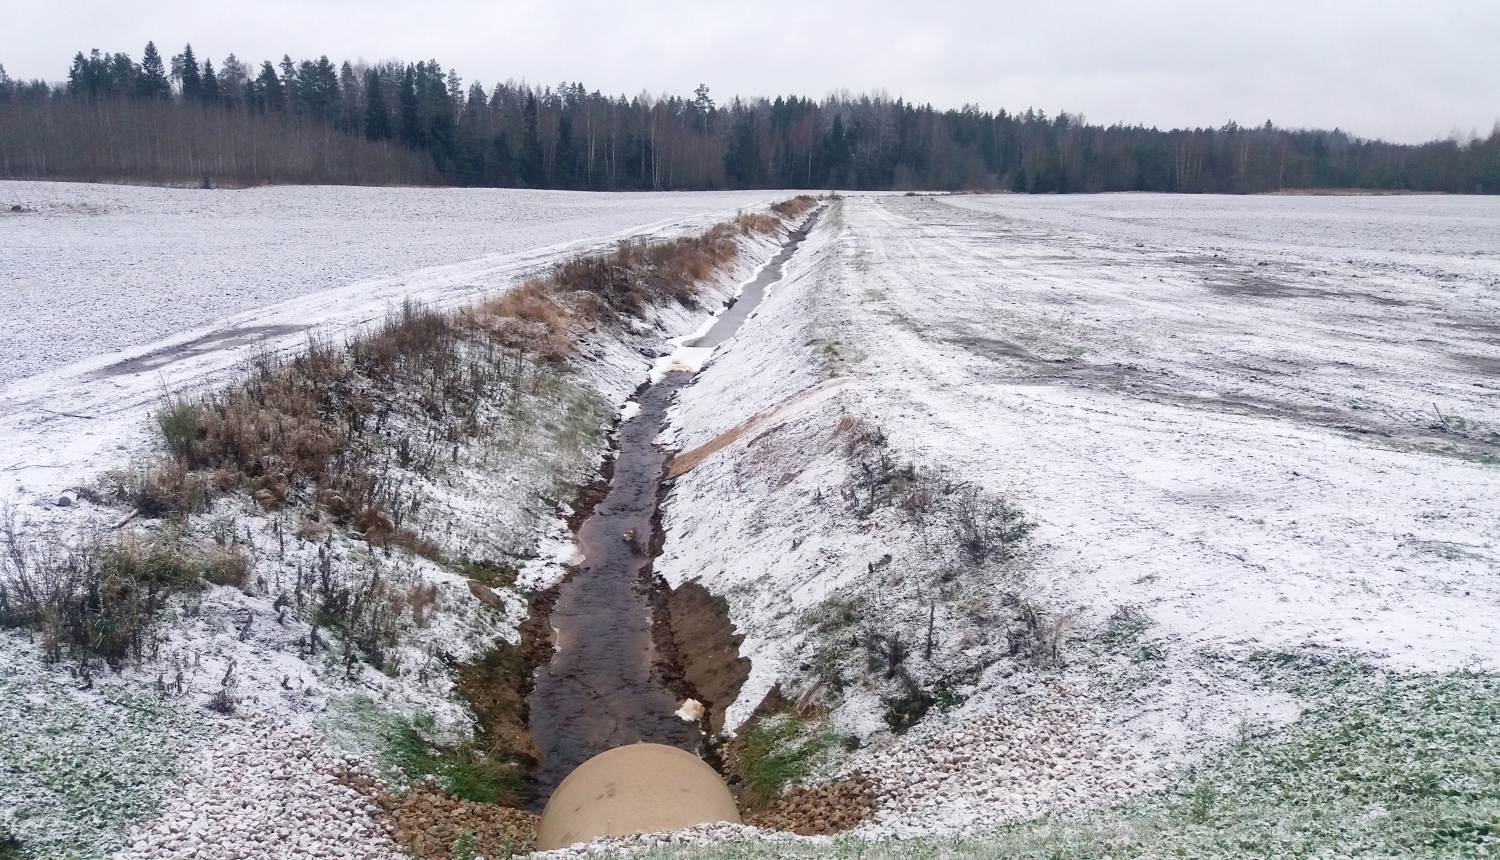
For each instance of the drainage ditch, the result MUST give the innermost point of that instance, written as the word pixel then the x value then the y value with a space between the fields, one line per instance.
pixel 627 650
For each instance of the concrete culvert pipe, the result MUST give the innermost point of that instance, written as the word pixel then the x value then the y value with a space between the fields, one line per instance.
pixel 641 788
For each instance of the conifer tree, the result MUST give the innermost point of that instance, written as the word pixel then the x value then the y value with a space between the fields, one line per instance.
pixel 529 160
pixel 211 93
pixel 411 122
pixel 741 160
pixel 122 74
pixel 270 94
pixel 80 78
pixel 290 98
pixel 152 81
pixel 233 76
pixel 703 108
pixel 349 114
pixel 317 89
pixel 185 71
pixel 377 113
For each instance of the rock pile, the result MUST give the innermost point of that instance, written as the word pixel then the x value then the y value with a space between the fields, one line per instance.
pixel 819 811
pixel 264 791
pixel 1041 755
pixel 426 823
pixel 703 834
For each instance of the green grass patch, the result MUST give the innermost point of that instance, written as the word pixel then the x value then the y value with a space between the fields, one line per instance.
pixel 409 749
pixel 782 750
pixel 79 766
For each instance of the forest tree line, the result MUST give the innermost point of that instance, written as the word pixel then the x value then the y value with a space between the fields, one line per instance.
pixel 417 123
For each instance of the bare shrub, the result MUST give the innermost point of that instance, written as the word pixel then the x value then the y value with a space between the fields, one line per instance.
pixel 227 566
pixel 421 598
pixel 1039 636
pixel 987 528
pixel 223 700
pixel 99 598
pixel 857 434
pixel 756 222
pixel 163 488
pixel 917 497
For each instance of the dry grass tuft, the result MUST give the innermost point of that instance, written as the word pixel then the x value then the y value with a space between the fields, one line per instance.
pixel 795 206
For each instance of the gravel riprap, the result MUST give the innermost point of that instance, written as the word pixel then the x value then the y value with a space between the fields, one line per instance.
pixel 428 823
pixel 820 810
pixel 703 834
pixel 1043 754
pixel 264 791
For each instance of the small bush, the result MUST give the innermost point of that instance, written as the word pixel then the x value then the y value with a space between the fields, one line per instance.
pixel 224 701
pixel 908 707
pixel 986 527
pixel 756 222
pixel 795 206
pixel 10 846
pixel 465 847
pixel 227 567
pixel 102 597
pixel 180 426
pixel 163 489
pixel 1124 627
pixel 1039 636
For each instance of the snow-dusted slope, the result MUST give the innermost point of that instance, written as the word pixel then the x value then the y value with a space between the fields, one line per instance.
pixel 1223 414
pixel 1248 430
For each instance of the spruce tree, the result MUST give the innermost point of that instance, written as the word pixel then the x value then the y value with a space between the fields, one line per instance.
pixel 185 70
pixel 152 81
pixel 211 94
pixel 80 77
pixel 269 92
pixel 377 114
pixel 529 164
pixel 122 74
pixel 741 159
pixel 290 98
pixel 411 122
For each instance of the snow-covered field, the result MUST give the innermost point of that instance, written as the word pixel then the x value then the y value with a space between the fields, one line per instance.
pixel 1221 413
pixel 87 270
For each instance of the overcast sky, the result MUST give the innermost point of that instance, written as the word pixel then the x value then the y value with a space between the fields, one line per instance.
pixel 1399 69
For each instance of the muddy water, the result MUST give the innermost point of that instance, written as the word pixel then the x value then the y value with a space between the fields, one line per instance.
pixel 600 690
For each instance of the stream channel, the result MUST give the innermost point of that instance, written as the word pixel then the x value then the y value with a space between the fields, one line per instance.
pixel 601 688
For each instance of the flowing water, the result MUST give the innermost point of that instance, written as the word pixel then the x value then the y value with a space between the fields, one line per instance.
pixel 599 691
